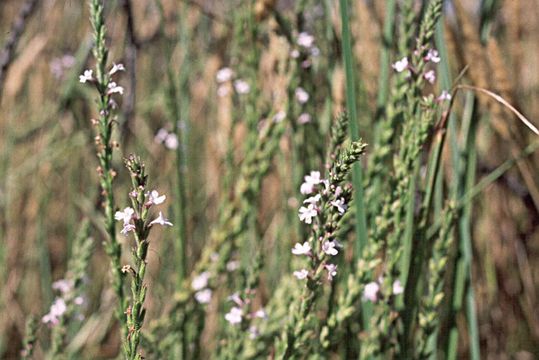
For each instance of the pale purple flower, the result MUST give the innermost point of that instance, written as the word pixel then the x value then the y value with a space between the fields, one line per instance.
pixel 86 76
pixel 203 296
pixel 444 96
pixel 294 54
pixel 310 181
pixel 430 76
pixel 253 332
pixel 57 309
pixel 200 281
pixel 340 205
pixel 171 141
pixel 305 39
pixel 304 118
pixel 232 265
pixel 63 285
pixel 160 136
pixel 125 215
pixel 224 74
pixel 302 96
pixel 261 314
pixel 332 271
pixel 236 298
pixel 116 68
pixel 234 316
pixel 301 274
pixel 329 248
pixel 114 88
pixel 306 214
pixel 370 292
pixel 280 116
pixel 338 191
pixel 241 86
pixel 401 65
pixel 127 228
pixel 433 56
pixel 312 200
pixel 79 300
pixel 302 249
pixel 223 90
pixel 315 52
pixel 155 199
pixel 161 220
pixel 397 288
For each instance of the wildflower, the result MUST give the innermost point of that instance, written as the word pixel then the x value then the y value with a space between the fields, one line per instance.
pixel 58 308
pixel 329 248
pixel 160 136
pixel 242 87
pixel 125 215
pixel 253 332
pixel 312 200
pixel 160 220
pixel 127 228
pixel 304 118
pixel 236 299
pixel 232 265
pixel 203 296
pixel 444 96
pixel 223 90
pixel 294 54
pixel 340 205
pixel 305 39
pixel 302 96
pixel 433 56
pixel 315 52
pixel 371 291
pixel 224 74
pixel 397 288
pixel 116 68
pixel 261 314
pixel 63 285
pixel 302 249
pixel 79 300
pixel 234 316
pixel 171 141
pixel 306 214
pixel 155 199
pixel 401 65
pixel 280 116
pixel 310 181
pixel 301 274
pixel 430 76
pixel 332 271
pixel 114 88
pixel 200 281
pixel 87 76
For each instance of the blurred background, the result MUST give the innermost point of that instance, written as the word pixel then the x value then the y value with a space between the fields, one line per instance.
pixel 48 181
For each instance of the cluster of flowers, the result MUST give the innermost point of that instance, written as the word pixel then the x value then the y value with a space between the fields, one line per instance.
pixel 169 139
pixel 430 76
pixel 59 306
pixel 308 213
pixel 371 292
pixel 200 285
pixel 240 311
pixel 224 76
pixel 128 215
pixel 113 88
pixel 60 65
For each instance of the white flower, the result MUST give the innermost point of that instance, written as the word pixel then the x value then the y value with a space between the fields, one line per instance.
pixel 127 228
pixel 261 314
pixel 87 76
pixel 302 96
pixel 79 300
pixel 58 308
pixel 371 291
pixel 160 136
pixel 305 39
pixel 432 55
pixel 280 116
pixel 301 274
pixel 114 88
pixel 302 249
pixel 340 205
pixel 312 200
pixel 241 86
pixel 332 271
pixel 160 220
pixel 444 96
pixel 338 191
pixel 397 288
pixel 224 74
pixel 401 65
pixel 304 118
pixel 232 265
pixel 294 54
pixel 200 281
pixel 310 181
pixel 234 316
pixel 223 90
pixel 306 214
pixel 203 296
pixel 171 141
pixel 430 76
pixel 329 248
pixel 125 215
pixel 63 285
pixel 253 332
pixel 236 298
pixel 116 68
pixel 155 199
